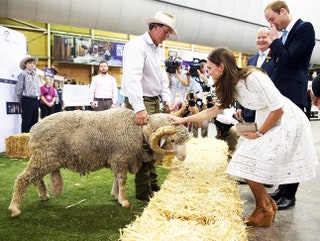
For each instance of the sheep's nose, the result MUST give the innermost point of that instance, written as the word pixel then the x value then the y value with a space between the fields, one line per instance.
pixel 181 157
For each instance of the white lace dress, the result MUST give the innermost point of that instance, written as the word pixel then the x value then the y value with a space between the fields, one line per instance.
pixel 284 154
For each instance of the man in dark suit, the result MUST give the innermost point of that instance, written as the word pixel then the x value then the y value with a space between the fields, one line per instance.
pixel 263 59
pixel 292 53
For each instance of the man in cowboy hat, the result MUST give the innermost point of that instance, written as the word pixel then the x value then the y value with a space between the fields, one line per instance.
pixel 28 92
pixel 145 84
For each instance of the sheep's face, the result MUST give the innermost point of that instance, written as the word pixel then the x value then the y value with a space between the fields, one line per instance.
pixel 176 142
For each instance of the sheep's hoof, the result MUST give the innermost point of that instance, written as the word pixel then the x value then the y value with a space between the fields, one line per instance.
pixel 45 197
pixel 125 204
pixel 115 196
pixel 15 212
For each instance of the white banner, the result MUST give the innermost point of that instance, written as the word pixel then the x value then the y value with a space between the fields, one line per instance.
pixel 76 95
pixel 13 48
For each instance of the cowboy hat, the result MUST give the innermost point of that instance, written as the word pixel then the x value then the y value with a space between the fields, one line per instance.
pixel 165 19
pixel 26 59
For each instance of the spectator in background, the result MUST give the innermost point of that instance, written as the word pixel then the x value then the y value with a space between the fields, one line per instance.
pixel 103 89
pixel 315 91
pixel 309 104
pixel 28 92
pixel 47 97
pixel 58 103
pixel 225 124
pixel 205 78
pixel 198 78
pixel 177 83
pixel 189 107
pixel 66 79
pixel 52 71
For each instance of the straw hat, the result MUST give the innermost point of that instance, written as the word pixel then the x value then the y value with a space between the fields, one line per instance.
pixel 165 19
pixel 26 59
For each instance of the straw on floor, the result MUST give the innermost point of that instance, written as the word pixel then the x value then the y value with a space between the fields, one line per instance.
pixel 198 200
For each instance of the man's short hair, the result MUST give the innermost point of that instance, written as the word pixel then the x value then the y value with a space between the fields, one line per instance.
pixel 103 62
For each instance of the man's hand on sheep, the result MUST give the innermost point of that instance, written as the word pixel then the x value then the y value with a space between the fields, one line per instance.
pixel 142 117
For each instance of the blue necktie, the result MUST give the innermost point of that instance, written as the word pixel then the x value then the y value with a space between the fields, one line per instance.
pixel 284 36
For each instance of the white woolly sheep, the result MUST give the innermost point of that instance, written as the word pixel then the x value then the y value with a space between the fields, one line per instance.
pixel 85 141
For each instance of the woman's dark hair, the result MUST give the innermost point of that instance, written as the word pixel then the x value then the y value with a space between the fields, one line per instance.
pixel 225 84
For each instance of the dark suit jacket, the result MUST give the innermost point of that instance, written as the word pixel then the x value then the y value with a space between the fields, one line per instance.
pixel 292 61
pixel 268 65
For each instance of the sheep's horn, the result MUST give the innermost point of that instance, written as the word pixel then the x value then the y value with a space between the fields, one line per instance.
pixel 156 136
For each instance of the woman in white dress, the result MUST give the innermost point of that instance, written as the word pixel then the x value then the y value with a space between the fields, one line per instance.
pixel 281 151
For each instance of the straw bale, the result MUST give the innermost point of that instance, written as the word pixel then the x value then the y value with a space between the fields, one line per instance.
pixel 198 200
pixel 17 146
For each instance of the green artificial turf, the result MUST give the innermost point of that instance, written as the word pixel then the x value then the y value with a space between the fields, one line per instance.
pixel 97 217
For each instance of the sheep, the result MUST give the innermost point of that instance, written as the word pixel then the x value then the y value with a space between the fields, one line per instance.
pixel 85 141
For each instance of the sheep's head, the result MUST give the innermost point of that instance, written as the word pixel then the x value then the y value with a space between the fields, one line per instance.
pixel 170 139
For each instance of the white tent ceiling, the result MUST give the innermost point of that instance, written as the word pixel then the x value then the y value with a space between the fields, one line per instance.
pixel 231 23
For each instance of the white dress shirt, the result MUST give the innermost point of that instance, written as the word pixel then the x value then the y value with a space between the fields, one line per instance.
pixel 262 57
pixel 103 87
pixel 144 72
pixel 289 27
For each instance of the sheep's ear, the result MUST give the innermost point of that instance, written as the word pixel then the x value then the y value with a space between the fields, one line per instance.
pixel 162 141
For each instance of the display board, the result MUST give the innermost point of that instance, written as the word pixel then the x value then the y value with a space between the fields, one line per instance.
pixel 13 48
pixel 82 50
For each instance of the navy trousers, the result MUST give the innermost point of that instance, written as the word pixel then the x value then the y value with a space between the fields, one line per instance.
pixel 30 113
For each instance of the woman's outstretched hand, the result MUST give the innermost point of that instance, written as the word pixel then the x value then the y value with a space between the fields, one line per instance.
pixel 176 120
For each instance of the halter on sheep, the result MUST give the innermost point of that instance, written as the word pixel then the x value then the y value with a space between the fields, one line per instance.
pixel 88 141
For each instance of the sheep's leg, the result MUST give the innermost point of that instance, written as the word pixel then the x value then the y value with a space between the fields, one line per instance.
pixel 115 188
pixel 122 198
pixel 42 190
pixel 56 182
pixel 28 176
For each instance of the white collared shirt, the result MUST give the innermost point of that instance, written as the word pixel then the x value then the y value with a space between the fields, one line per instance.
pixel 265 54
pixel 289 27
pixel 104 86
pixel 144 72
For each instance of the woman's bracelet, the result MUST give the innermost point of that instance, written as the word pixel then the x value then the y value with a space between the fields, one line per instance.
pixel 259 134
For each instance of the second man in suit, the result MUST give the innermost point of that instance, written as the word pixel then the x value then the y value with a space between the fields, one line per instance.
pixel 263 59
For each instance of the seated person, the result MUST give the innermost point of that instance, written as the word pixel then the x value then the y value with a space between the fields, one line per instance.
pixel 189 107
pixel 225 126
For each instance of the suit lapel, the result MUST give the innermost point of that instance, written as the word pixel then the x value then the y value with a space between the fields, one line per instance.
pixel 293 30
pixel 255 60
